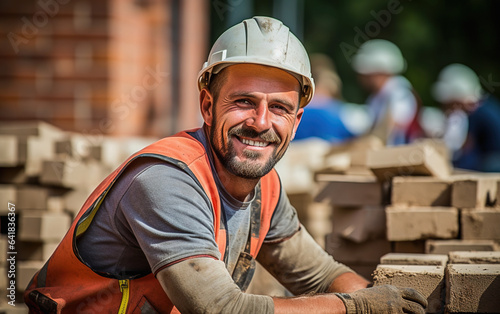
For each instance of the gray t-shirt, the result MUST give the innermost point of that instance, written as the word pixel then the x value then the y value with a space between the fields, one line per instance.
pixel 156 215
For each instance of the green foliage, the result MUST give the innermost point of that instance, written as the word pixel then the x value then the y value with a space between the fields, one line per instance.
pixel 431 35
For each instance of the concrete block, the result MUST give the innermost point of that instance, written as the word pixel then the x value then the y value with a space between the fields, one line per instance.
pixel 25 271
pixel 35 128
pixel 8 194
pixel 13 152
pixel 472 288
pixel 408 160
pixel 75 146
pixel 73 174
pixel 474 191
pixel 464 257
pixel 481 224
pixel 35 251
pixel 420 191
pixel 43 226
pixel 3 250
pixel 414 223
pixel 341 190
pixel 32 197
pixel 106 150
pixel 497 203
pixel 38 149
pixel 446 246
pixel 25 197
pixel 348 252
pixel 359 224
pixel 74 200
pixel 428 280
pixel 414 259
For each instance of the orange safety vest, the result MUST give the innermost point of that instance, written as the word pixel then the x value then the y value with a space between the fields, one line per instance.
pixel 66 285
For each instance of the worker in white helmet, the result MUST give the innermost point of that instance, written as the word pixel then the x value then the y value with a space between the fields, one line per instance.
pixel 179 225
pixel 393 104
pixel 473 119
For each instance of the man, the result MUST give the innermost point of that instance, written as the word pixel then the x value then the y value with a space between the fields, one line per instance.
pixel 177 227
pixel 473 119
pixel 393 104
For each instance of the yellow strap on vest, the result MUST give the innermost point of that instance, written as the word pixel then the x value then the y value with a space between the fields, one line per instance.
pixel 124 288
pixel 85 223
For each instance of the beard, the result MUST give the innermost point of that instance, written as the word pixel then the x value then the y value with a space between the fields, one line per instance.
pixel 247 169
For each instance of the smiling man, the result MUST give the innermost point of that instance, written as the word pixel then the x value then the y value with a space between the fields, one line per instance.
pixel 179 225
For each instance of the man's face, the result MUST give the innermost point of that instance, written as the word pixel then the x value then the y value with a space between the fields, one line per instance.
pixel 254 119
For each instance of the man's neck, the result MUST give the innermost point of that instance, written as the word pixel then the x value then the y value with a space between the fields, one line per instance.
pixel 238 187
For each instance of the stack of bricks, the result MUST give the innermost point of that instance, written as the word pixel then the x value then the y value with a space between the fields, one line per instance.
pixel 457 282
pixel 46 174
pixel 406 199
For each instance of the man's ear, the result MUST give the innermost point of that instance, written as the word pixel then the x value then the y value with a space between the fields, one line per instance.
pixel 300 112
pixel 206 106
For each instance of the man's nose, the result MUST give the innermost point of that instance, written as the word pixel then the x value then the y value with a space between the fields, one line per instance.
pixel 261 119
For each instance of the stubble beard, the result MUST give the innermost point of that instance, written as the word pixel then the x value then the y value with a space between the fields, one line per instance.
pixel 246 168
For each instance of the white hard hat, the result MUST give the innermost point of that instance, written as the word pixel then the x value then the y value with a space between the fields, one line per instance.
pixel 457 82
pixel 265 41
pixel 379 56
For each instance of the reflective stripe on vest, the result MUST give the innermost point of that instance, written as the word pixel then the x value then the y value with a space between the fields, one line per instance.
pixel 67 285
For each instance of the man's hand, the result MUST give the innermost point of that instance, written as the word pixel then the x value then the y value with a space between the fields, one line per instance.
pixel 384 299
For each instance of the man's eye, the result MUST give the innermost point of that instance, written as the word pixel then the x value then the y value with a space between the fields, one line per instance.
pixel 279 107
pixel 244 102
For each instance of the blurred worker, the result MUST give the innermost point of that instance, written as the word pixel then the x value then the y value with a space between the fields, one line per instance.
pixel 473 119
pixel 328 117
pixel 178 226
pixel 393 104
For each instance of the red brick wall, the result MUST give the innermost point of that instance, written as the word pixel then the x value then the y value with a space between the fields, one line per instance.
pixel 99 66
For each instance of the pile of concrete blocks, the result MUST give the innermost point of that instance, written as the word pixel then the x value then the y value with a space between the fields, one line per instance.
pixel 46 174
pixel 457 282
pixel 405 199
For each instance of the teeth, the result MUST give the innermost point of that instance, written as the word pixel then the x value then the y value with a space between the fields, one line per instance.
pixel 254 143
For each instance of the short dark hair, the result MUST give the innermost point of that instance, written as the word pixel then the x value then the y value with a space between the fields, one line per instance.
pixel 216 83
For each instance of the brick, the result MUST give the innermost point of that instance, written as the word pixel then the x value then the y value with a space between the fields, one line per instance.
pixel 414 159
pixel 480 224
pixel 428 280
pixel 359 224
pixel 43 226
pixel 414 223
pixel 35 251
pixel 474 191
pixel 472 288
pixel 414 259
pixel 463 257
pixel 420 191
pixel 342 190
pixel 25 271
pixel 446 246
pixel 349 252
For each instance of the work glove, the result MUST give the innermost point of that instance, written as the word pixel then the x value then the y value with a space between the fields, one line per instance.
pixel 384 299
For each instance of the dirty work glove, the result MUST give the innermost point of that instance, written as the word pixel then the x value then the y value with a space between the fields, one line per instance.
pixel 384 299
